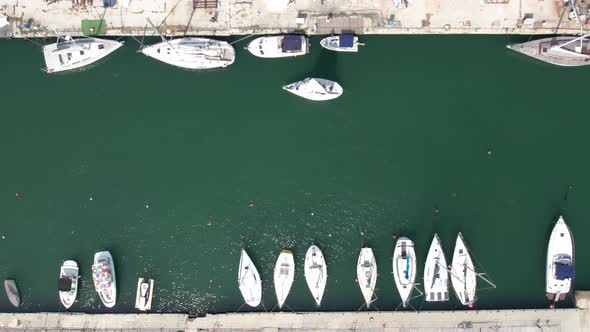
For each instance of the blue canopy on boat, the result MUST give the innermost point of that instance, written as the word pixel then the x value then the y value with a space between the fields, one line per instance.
pixel 292 43
pixel 346 40
pixel 564 270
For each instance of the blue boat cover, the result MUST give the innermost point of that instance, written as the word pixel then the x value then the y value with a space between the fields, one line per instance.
pixel 346 40
pixel 564 270
pixel 292 43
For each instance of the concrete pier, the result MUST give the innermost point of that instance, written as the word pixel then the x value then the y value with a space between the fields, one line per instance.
pixel 547 320
pixel 40 18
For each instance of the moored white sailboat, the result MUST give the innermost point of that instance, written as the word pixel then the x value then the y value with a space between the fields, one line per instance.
pixel 316 273
pixel 436 275
pixel 68 283
pixel 192 53
pixel 74 53
pixel 404 268
pixel 366 274
pixel 249 281
pixel 284 274
pixel 464 278
pixel 317 89
pixel 560 262
pixel 103 275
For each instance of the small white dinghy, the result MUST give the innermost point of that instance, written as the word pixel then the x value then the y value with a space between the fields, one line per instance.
pixel 74 53
pixel 279 46
pixel 283 275
pixel 346 42
pixel 144 294
pixel 464 278
pixel 404 268
pixel 249 281
pixel 316 273
pixel 192 53
pixel 103 275
pixel 436 275
pixel 12 292
pixel 560 262
pixel 366 274
pixel 68 283
pixel 317 89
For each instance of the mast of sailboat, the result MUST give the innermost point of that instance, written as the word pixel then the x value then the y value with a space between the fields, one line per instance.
pixel 159 34
pixel 481 275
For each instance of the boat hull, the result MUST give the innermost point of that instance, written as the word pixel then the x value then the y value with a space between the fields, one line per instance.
pixel 249 281
pixel 193 53
pixel 463 276
pixel 143 299
pixel 76 54
pixel 404 268
pixel 69 270
pixel 316 89
pixel 546 50
pixel 270 47
pixel 316 273
pixel 284 274
pixel 332 43
pixel 108 293
pixel 12 292
pixel 436 275
pixel 560 262
pixel 366 274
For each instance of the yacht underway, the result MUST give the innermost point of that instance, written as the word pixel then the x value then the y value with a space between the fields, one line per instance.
pixel 366 274
pixel 436 275
pixel 317 89
pixel 464 278
pixel 74 53
pixel 144 294
pixel 279 46
pixel 12 292
pixel 560 262
pixel 316 273
pixel 345 42
pixel 249 281
pixel 192 53
pixel 103 275
pixel 283 275
pixel 404 268
pixel 68 283
pixel 561 51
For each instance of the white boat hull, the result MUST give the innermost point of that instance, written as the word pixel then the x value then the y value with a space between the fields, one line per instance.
pixel 69 270
pixel 436 275
pixel 77 53
pixel 560 262
pixel 316 89
pixel 463 275
pixel 284 274
pixel 192 53
pixel 144 294
pixel 366 274
pixel 249 281
pixel 332 43
pixel 107 294
pixel 316 273
pixel 404 268
pixel 271 47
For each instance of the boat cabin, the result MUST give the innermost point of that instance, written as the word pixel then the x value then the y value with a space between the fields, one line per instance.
pixel 292 43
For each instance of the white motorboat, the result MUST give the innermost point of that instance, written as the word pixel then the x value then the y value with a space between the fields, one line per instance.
pixel 283 275
pixel 404 268
pixel 103 275
pixel 345 42
pixel 560 262
pixel 12 292
pixel 74 53
pixel 249 281
pixel 464 278
pixel 144 294
pixel 436 275
pixel 68 283
pixel 366 274
pixel 317 89
pixel 279 46
pixel 316 273
pixel 192 53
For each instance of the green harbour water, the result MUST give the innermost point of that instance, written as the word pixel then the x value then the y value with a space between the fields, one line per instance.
pixel 175 171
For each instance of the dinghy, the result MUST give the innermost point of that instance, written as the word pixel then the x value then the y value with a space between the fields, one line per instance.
pixel 404 268
pixel 145 292
pixel 436 275
pixel 346 42
pixel 68 283
pixel 103 275
pixel 366 274
pixel 283 275
pixel 12 292
pixel 279 46
pixel 464 278
pixel 249 281
pixel 74 53
pixel 317 89
pixel 316 273
pixel 560 262
pixel 192 53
